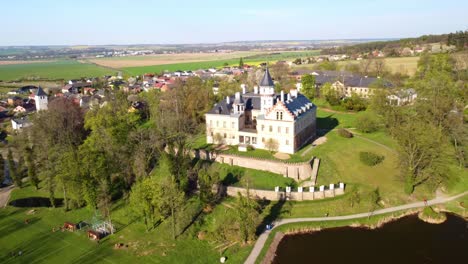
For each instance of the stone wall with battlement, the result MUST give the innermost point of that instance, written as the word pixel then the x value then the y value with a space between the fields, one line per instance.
pixel 302 194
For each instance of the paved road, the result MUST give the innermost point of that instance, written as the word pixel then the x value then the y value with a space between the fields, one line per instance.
pixel 263 237
pixel 5 195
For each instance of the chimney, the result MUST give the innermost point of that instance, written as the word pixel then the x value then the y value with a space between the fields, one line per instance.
pixel 282 96
pixel 228 101
pixel 289 97
pixel 237 95
pixel 255 89
pixel 244 88
pixel 293 93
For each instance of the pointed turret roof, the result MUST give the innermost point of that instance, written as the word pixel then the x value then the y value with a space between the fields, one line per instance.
pixel 266 80
pixel 40 92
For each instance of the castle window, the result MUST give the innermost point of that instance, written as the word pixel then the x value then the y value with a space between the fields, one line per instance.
pixel 225 136
pixel 263 140
pixel 217 123
pixel 287 130
pixel 241 139
pixel 279 129
pixel 271 128
pixel 254 140
pixel 279 115
pixel 287 142
pixel 232 125
pixel 224 124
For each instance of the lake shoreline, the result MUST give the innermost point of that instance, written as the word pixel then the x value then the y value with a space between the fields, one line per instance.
pixel 279 236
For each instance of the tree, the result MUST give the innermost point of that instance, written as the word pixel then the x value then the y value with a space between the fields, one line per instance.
pixel 333 96
pixel 379 67
pixel 241 63
pixel 2 169
pixel 32 174
pixel 14 175
pixel 141 200
pixel 169 199
pixel 272 145
pixel 206 180
pixel 421 151
pixel 218 138
pixel 308 86
pixel 247 216
pixel 367 122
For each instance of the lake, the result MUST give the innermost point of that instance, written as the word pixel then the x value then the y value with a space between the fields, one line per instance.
pixel 407 240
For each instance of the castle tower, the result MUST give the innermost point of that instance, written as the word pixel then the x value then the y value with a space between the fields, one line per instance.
pixel 238 104
pixel 41 100
pixel 267 91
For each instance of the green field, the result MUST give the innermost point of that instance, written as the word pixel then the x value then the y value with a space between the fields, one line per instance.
pixel 40 245
pixel 253 60
pixel 403 65
pixel 64 69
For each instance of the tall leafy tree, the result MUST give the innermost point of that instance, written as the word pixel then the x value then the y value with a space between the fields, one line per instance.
pixel 14 175
pixel 308 86
pixel 31 166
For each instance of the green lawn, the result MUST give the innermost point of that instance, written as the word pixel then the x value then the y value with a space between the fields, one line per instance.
pixel 257 179
pixel 329 120
pixel 63 69
pixel 40 245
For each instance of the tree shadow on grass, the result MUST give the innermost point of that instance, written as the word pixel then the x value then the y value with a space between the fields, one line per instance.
pixel 35 202
pixel 325 124
pixel 275 211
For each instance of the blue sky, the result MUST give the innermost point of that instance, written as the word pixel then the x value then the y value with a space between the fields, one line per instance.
pixel 71 22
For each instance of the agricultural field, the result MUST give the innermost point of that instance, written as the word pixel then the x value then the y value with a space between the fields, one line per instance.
pixel 11 62
pixel 63 69
pixel 270 57
pixel 162 59
pixel 404 65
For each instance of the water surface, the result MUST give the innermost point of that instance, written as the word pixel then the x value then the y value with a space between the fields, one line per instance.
pixel 407 240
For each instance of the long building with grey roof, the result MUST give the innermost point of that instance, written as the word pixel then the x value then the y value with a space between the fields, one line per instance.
pixel 263 119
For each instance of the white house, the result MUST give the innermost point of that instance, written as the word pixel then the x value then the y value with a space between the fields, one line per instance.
pixel 263 118
pixel 19 123
pixel 403 97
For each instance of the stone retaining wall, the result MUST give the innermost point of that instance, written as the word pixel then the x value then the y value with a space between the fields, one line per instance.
pixel 298 171
pixel 313 193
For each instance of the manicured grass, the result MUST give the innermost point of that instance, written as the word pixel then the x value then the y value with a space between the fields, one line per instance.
pixel 330 120
pixel 339 161
pixel 256 179
pixel 64 69
pixel 40 245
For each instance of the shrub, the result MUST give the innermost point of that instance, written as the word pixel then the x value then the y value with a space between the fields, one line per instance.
pixel 367 122
pixel 344 133
pixel 370 159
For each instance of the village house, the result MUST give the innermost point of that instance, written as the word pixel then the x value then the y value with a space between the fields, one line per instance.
pixel 263 119
pixel 359 85
pixel 403 97
pixel 20 123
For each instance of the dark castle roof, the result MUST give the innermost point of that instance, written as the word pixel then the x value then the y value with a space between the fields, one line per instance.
pixel 252 101
pixel 40 92
pixel 266 80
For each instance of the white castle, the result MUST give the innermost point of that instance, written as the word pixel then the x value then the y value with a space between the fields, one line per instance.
pixel 263 118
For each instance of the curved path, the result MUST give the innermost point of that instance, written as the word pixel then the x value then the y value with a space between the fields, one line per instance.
pixel 263 237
